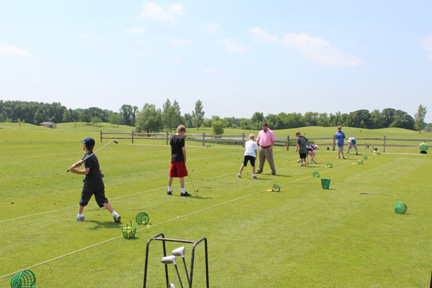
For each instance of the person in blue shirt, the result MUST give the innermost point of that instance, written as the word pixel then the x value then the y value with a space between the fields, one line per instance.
pixel 352 142
pixel 340 136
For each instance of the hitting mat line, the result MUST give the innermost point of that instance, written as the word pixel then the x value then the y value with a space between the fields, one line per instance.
pixel 159 224
pixel 117 197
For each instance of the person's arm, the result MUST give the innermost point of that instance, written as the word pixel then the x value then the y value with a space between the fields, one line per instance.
pixel 273 140
pixel 82 172
pixel 184 153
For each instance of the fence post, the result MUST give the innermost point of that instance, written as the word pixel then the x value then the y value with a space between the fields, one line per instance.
pixel 334 142
pixel 132 133
pixel 203 141
pixel 384 142
pixel 167 138
pixel 287 146
pixel 101 136
pixel 243 140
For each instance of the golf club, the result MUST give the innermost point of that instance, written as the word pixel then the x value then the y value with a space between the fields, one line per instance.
pixel 181 252
pixel 171 260
pixel 364 193
pixel 195 190
pixel 85 158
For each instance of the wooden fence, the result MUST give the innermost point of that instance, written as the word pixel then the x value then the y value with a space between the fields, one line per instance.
pixel 241 139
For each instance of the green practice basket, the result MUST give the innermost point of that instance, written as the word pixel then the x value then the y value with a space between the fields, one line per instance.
pixel 400 208
pixel 360 162
pixel 275 188
pixel 129 231
pixel 315 174
pixel 329 165
pixel 365 157
pixel 25 279
pixel 142 218
pixel 325 183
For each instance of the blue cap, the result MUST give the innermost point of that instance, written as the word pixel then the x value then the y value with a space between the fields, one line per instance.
pixel 89 142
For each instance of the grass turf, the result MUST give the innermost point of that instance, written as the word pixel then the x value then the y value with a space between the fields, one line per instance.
pixel 303 236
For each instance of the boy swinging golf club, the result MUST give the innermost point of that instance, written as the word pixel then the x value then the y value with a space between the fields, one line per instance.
pixel 93 183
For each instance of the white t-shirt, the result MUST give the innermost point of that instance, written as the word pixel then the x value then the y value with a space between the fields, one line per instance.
pixel 250 146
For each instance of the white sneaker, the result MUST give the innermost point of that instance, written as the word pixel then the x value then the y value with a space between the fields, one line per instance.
pixel 117 218
pixel 238 176
pixel 311 162
pixel 80 218
pixel 254 177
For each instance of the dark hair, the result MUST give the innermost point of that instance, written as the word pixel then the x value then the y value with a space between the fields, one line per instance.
pixel 265 124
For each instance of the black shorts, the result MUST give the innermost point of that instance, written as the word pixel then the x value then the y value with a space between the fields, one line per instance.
pixel 88 192
pixel 249 158
pixel 302 155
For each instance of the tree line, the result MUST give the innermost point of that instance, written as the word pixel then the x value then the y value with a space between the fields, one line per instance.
pixel 153 119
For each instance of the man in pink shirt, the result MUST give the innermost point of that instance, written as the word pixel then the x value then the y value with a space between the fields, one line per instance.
pixel 266 140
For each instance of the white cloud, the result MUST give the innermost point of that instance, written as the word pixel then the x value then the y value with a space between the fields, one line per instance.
pixel 135 30
pixel 263 35
pixel 427 45
pixel 156 12
pixel 213 27
pixel 180 42
pixel 7 50
pixel 231 46
pixel 85 35
pixel 319 50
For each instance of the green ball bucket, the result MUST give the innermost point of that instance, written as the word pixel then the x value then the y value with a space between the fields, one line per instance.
pixel 315 174
pixel 25 279
pixel 329 165
pixel 360 162
pixel 365 157
pixel 400 208
pixel 142 218
pixel 276 188
pixel 129 231
pixel 325 183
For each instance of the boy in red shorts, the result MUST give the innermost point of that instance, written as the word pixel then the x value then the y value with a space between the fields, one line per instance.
pixel 178 160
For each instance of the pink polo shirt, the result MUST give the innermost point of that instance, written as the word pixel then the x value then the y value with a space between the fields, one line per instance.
pixel 266 138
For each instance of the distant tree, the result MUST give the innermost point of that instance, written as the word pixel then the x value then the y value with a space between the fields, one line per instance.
pixel 198 114
pixel 311 118
pixel 218 127
pixel 323 120
pixel 419 117
pixel 178 119
pixel 126 112
pixel 85 116
pixel 402 120
pixel 115 119
pixel 168 115
pixel 256 121
pixel 149 119
pixel 359 118
pixel 188 120
pixel 96 120
pixel 388 116
pixel 274 121
pixel 134 114
pixel 376 120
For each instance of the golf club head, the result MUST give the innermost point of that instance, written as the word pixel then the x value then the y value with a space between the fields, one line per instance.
pixel 169 260
pixel 179 251
pixel 115 141
pixel 171 285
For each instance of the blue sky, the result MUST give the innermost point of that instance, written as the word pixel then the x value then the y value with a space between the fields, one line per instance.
pixel 238 57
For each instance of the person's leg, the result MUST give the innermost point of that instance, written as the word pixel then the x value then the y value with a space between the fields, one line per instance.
pixel 80 209
pixel 261 160
pixel 241 169
pixel 269 156
pixel 355 146
pixel 182 185
pixel 338 149
pixel 108 207
pixel 342 152
pixel 312 155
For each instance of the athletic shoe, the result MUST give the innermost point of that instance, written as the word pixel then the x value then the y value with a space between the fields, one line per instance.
pixel 80 218
pixel 311 162
pixel 185 194
pixel 273 173
pixel 117 218
pixel 344 158
pixel 258 172
pixel 169 193
pixel 238 176
pixel 254 177
pixel 338 158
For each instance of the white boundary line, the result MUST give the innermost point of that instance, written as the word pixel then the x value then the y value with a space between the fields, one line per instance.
pixel 161 223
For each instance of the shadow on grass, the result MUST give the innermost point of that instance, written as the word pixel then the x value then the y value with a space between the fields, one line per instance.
pixel 105 224
pixel 197 197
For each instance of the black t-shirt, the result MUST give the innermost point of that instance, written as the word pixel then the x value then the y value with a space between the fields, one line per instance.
pixel 94 177
pixel 177 143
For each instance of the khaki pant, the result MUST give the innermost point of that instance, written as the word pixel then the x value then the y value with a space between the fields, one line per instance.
pixel 264 154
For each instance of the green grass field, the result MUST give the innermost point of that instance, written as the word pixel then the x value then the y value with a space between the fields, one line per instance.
pixel 303 236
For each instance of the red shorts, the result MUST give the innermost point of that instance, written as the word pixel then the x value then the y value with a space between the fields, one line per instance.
pixel 178 169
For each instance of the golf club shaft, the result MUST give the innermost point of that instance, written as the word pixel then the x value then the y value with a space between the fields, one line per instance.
pixel 187 274
pixel 178 274
pixel 88 156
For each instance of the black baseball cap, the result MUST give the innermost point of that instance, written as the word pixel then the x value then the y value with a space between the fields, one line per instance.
pixel 89 142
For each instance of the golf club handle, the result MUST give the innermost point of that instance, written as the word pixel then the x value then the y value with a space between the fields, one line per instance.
pixel 80 161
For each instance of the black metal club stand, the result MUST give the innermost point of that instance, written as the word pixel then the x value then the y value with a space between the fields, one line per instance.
pixel 161 237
